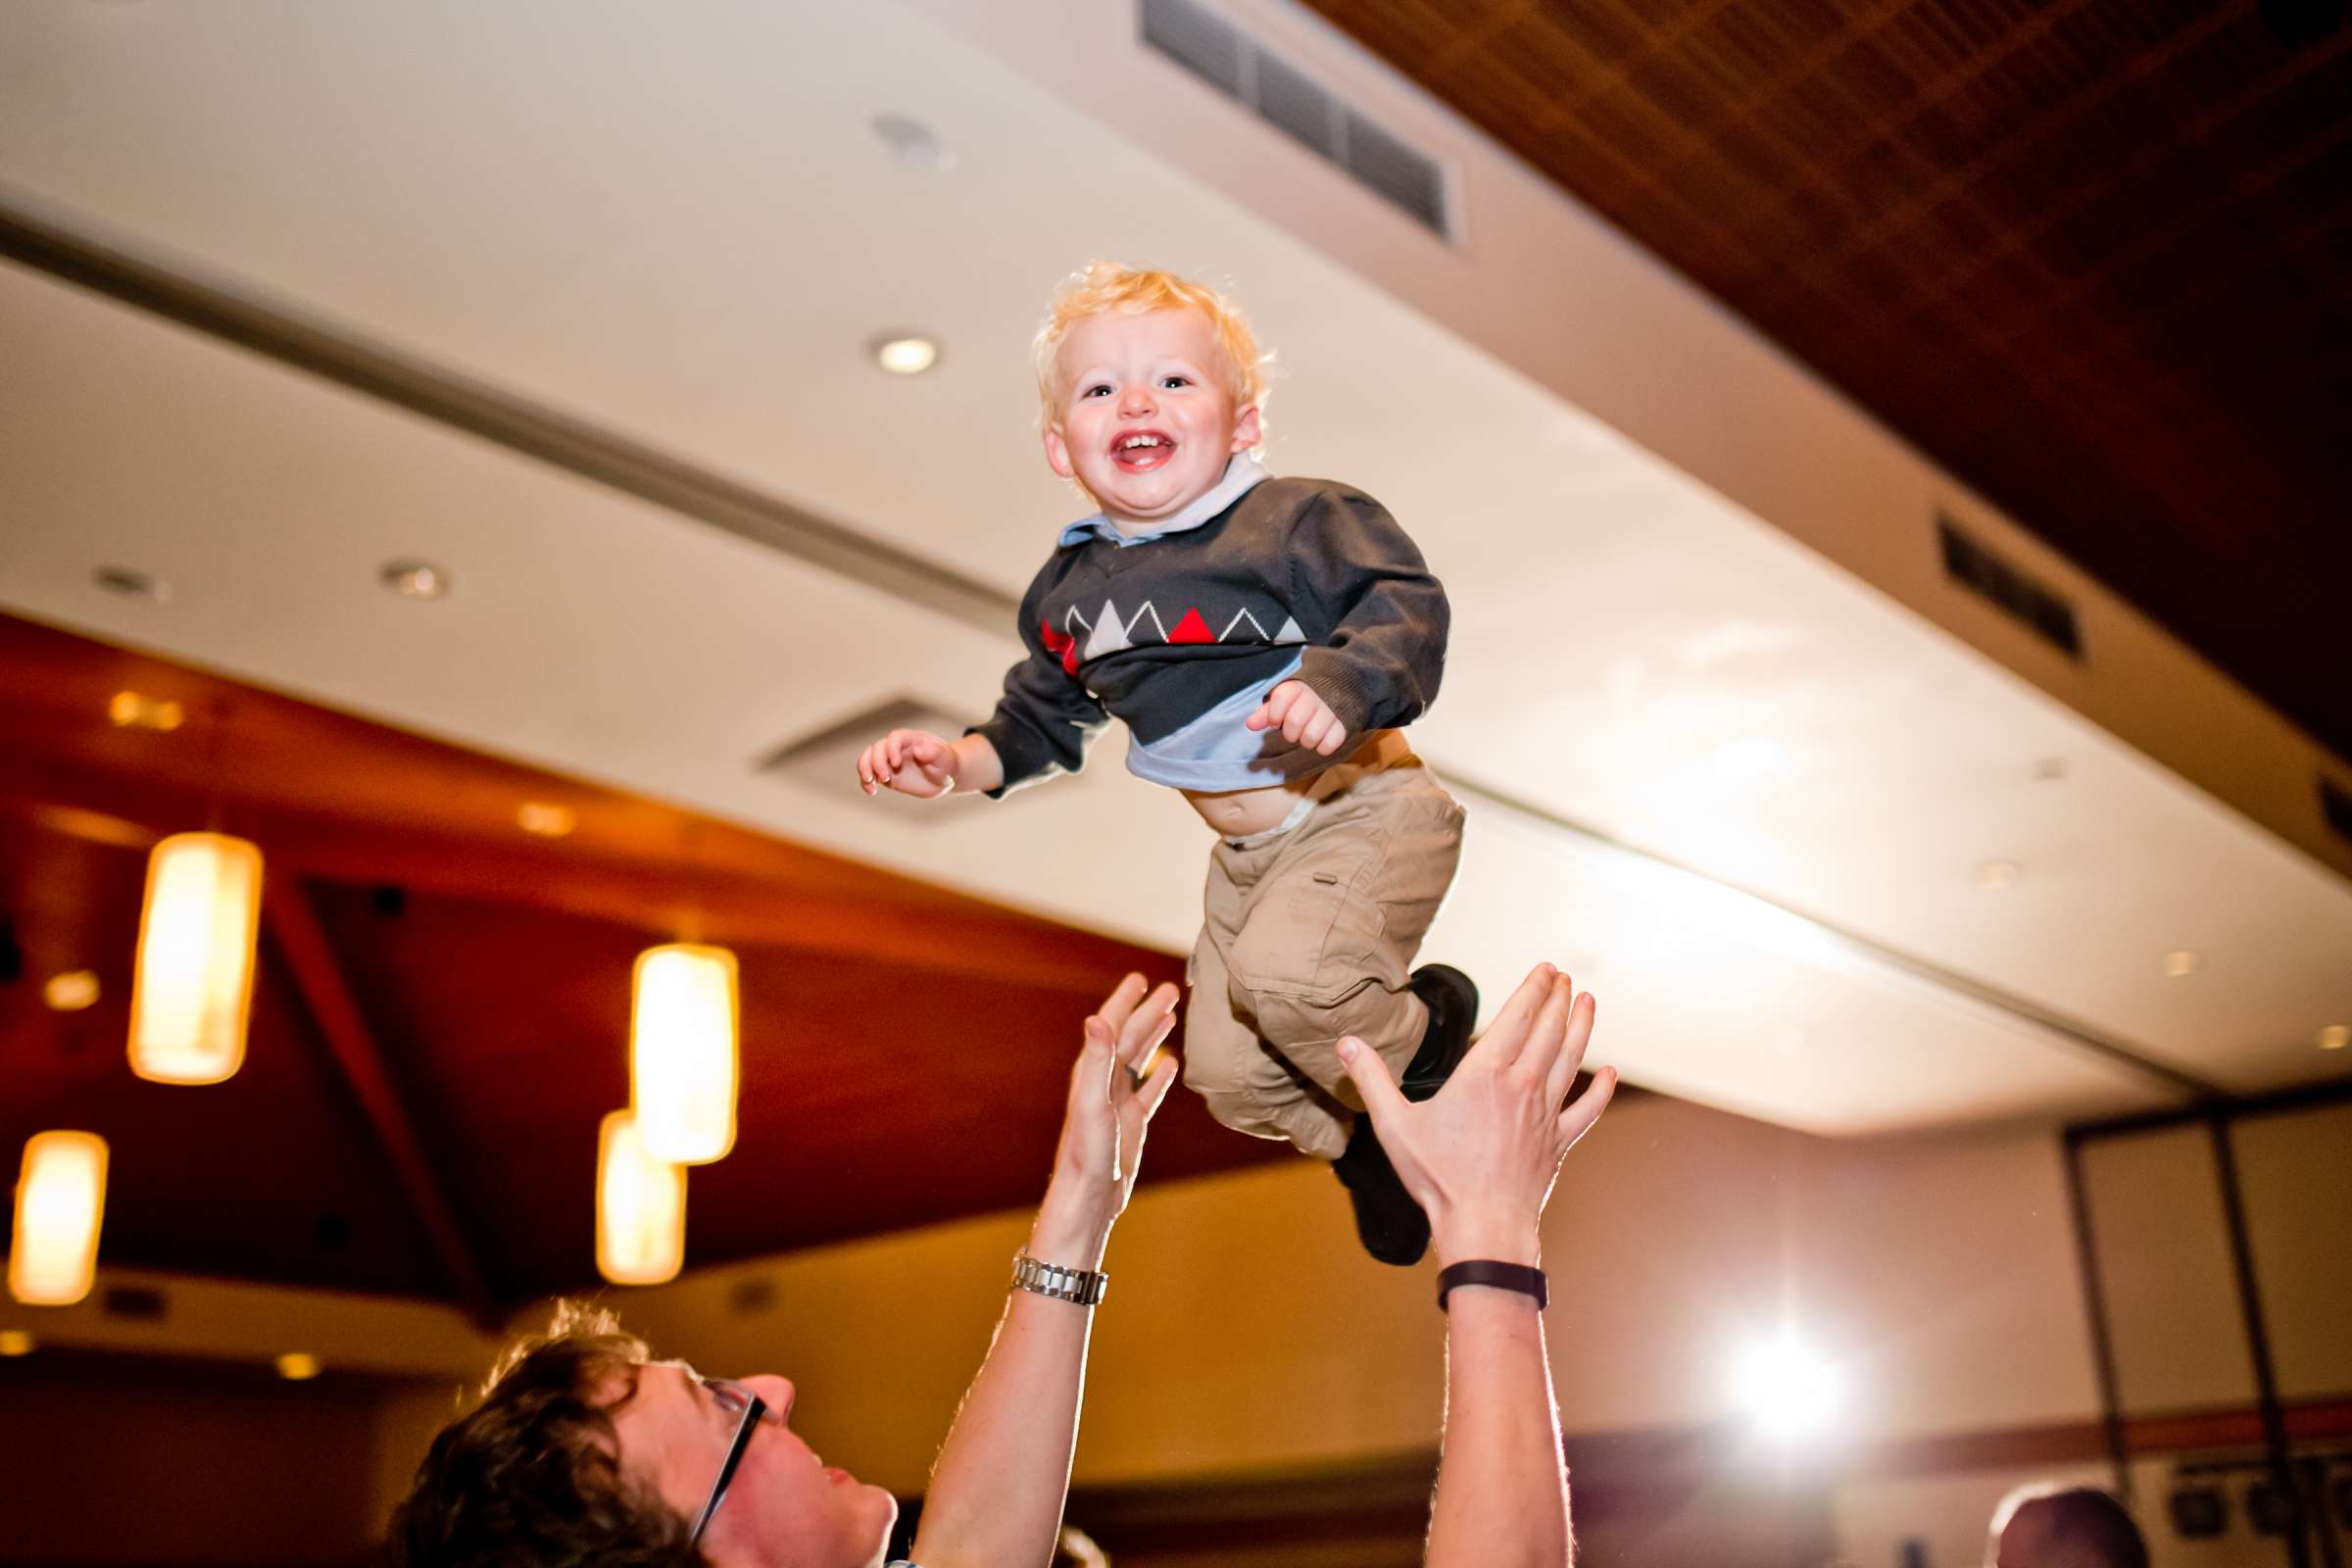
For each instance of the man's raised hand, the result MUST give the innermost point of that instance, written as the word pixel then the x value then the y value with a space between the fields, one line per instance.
pixel 1481 1156
pixel 1118 1082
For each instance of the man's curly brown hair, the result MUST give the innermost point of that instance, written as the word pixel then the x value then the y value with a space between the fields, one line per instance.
pixel 528 1478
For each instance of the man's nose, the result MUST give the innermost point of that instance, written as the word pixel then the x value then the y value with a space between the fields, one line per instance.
pixel 777 1392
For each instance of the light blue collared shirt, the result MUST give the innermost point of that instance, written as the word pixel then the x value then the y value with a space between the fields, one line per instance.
pixel 1243 475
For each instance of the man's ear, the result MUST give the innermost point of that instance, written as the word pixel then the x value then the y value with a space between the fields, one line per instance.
pixel 1058 453
pixel 1246 429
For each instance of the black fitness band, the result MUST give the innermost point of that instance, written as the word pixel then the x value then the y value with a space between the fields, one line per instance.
pixel 1502 1276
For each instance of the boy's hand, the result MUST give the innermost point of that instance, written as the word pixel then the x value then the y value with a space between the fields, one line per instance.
pixel 911 762
pixel 1303 718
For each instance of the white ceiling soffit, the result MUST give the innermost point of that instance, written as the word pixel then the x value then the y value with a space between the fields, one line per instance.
pixel 675 225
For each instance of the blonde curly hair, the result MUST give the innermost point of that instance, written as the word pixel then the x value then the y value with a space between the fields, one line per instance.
pixel 1107 288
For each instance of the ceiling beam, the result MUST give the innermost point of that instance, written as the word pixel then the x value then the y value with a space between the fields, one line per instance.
pixel 926 931
pixel 354 1057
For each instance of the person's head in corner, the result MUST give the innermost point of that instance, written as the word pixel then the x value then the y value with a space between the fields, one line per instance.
pixel 2046 1525
pixel 583 1450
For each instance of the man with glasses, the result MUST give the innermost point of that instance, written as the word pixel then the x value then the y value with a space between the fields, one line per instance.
pixel 585 1450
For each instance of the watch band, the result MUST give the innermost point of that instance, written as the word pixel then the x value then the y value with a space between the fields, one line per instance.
pixel 1085 1287
pixel 1502 1276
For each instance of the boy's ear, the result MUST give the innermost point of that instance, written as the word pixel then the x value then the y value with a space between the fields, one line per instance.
pixel 1246 429
pixel 1058 453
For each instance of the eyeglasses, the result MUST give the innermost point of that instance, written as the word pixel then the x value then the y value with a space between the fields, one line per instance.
pixel 731 1395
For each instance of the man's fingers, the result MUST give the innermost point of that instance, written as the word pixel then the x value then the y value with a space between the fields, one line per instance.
pixel 1579 1114
pixel 1543 1043
pixel 1571 1054
pixel 1381 1095
pixel 1148 1025
pixel 1096 1036
pixel 1155 1086
pixel 1500 1046
pixel 1120 1003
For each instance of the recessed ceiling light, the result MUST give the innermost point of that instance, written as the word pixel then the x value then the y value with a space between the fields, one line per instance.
pixel 2050 769
pixel 545 819
pixel 2336 1036
pixel 72 991
pixel 2180 962
pixel 1994 875
pixel 136 710
pixel 413 579
pixel 905 353
pixel 132 584
pixel 14 1342
pixel 911 143
pixel 297 1365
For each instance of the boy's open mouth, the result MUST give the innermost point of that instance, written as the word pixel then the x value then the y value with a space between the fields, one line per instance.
pixel 1142 451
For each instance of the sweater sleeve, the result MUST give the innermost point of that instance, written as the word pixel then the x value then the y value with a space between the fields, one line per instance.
pixel 1046 718
pixel 1380 664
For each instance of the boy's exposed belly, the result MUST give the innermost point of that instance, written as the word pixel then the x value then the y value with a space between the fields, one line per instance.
pixel 1238 813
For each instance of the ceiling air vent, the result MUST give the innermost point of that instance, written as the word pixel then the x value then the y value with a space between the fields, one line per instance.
pixel 1975 568
pixel 1296 104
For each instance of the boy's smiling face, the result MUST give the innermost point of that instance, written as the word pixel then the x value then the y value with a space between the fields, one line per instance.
pixel 1147 420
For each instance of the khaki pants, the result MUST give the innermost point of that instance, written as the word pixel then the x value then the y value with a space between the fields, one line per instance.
pixel 1310 936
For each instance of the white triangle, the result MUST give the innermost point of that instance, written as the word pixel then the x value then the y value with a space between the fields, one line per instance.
pixel 1289 632
pixel 1109 636
pixel 1161 630
pixel 1239 616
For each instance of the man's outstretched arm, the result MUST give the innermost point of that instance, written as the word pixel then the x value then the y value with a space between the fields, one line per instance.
pixel 1003 1473
pixel 1481 1159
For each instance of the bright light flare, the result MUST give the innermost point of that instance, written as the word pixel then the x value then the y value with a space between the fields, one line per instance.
pixel 1788 1389
pixel 640 1208
pixel 682 1053
pixel 61 1201
pixel 194 987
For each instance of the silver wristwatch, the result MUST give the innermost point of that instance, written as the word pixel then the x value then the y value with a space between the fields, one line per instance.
pixel 1082 1286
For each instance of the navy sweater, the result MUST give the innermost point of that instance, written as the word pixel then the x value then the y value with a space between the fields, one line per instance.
pixel 1158 633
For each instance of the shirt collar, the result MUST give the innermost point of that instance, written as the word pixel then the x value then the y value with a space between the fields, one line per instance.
pixel 1242 474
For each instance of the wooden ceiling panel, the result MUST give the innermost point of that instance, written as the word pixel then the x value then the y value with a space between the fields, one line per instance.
pixel 2095 259
pixel 268 1176
pixel 441 1010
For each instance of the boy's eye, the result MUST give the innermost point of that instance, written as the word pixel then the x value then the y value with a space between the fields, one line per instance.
pixel 1175 381
pixel 1098 390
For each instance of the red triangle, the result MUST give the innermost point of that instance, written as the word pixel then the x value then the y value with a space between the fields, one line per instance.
pixel 1191 630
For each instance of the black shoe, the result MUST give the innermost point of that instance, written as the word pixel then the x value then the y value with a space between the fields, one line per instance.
pixel 1388 1221
pixel 1452 1001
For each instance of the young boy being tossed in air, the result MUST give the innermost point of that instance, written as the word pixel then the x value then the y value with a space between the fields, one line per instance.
pixel 1264 640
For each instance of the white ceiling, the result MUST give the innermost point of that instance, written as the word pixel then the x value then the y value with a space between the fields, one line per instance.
pixel 675 224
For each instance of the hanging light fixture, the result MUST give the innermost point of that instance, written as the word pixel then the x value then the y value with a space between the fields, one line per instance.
pixel 640 1208
pixel 682 1051
pixel 194 985
pixel 60 1198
